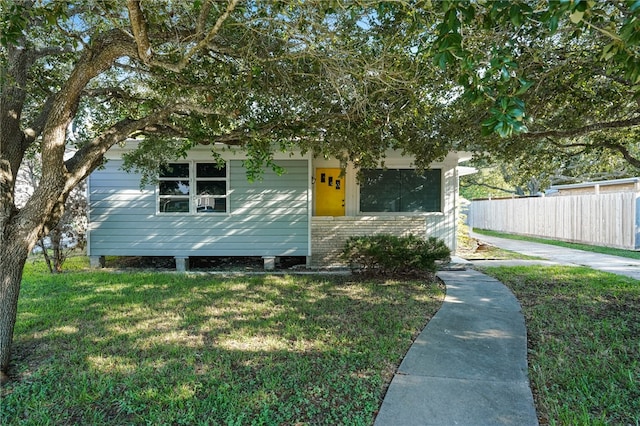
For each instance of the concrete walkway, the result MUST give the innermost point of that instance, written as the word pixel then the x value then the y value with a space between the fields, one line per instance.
pixel 469 364
pixel 562 256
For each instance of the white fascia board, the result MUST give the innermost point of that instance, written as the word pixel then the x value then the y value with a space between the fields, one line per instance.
pixel 203 152
pixel 465 170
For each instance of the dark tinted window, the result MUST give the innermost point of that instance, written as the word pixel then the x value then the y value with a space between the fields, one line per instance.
pixel 400 190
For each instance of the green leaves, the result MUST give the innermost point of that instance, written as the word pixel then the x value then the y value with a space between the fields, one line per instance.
pixel 390 254
pixel 524 86
pixel 354 80
pixel 13 21
pixel 260 155
pixel 507 118
pixel 493 50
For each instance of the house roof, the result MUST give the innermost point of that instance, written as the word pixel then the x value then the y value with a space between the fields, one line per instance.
pixel 600 183
pixel 466 170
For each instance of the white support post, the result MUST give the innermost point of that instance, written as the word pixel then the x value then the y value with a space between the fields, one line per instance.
pixel 269 263
pixel 182 263
pixel 96 262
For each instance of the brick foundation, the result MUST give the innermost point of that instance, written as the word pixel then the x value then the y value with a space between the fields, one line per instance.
pixel 328 234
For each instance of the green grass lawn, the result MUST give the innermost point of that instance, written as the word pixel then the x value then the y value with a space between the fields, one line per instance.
pixel 114 348
pixel 163 348
pixel 584 342
pixel 586 247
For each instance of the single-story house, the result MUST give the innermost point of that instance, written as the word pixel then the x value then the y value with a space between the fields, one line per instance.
pixel 200 209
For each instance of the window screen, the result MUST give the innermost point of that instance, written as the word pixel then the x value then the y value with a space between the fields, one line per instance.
pixel 400 190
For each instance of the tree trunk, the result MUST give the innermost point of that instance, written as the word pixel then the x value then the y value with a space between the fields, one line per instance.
pixel 45 254
pixel 58 250
pixel 20 229
pixel 13 256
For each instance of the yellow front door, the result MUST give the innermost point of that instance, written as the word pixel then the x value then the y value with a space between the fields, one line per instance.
pixel 329 187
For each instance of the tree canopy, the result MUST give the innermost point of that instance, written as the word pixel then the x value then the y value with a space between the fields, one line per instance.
pixel 348 79
pixel 324 77
pixel 318 76
pixel 511 80
pixel 544 82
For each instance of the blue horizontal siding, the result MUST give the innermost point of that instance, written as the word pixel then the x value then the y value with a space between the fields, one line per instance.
pixel 267 218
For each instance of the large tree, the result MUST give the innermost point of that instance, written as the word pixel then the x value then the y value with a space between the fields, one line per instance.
pixel 341 78
pixel 261 75
pixel 542 82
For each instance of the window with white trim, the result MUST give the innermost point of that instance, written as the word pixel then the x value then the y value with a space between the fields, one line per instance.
pixel 400 190
pixel 192 188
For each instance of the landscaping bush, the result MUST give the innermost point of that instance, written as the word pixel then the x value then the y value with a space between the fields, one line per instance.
pixel 390 254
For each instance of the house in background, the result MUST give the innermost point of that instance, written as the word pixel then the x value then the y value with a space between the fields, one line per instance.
pixel 597 187
pixel 198 208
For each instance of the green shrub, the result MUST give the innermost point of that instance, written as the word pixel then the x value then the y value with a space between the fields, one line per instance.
pixel 390 254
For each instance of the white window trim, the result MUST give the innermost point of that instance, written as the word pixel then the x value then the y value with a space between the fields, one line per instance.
pixel 193 197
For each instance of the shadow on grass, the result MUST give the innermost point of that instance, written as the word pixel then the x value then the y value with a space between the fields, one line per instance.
pixel 146 348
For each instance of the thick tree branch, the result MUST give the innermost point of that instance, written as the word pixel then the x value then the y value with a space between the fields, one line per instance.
pixel 14 74
pixel 188 107
pixel 202 18
pixel 584 145
pixel 145 51
pixel 139 27
pixel 570 133
pixel 52 51
pixel 35 128
pixel 165 130
pixel 105 49
pixel 112 93
pixel 634 161
pixel 614 146
pixel 87 158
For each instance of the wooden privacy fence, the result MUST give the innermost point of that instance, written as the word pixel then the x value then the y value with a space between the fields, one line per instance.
pixel 609 219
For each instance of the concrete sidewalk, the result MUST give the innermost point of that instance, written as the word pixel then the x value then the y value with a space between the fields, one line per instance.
pixel 469 364
pixel 562 256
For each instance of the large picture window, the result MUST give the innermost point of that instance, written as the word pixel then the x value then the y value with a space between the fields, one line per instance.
pixel 192 188
pixel 400 190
